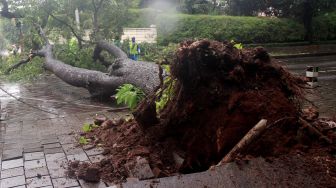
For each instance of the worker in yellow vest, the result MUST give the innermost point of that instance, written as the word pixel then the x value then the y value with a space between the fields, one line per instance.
pixel 134 50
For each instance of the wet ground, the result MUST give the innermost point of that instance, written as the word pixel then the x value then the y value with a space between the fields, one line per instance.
pixel 39 132
pixel 324 96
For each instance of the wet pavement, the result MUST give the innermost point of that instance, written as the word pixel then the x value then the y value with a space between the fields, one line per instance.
pixel 324 96
pixel 39 132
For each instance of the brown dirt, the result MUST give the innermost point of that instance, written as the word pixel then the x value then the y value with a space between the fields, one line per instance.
pixel 123 143
pixel 220 94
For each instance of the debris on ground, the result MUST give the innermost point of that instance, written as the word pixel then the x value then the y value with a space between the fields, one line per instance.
pixel 220 93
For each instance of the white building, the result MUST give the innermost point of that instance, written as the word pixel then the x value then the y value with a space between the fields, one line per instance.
pixel 148 35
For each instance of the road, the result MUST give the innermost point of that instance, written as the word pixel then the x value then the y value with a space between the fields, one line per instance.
pixel 323 96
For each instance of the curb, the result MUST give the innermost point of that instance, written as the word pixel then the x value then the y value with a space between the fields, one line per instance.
pixel 303 55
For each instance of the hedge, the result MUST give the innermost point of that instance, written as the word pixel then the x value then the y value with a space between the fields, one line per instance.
pixel 324 27
pixel 174 28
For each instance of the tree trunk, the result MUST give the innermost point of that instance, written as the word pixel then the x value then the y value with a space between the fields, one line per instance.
pixel 308 13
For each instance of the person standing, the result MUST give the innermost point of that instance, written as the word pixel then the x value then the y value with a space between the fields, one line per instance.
pixel 134 50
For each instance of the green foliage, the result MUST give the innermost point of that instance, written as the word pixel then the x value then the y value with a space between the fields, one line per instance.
pixel 239 46
pixel 167 91
pixel 83 140
pixel 87 127
pixel 27 72
pixel 76 57
pixel 324 26
pixel 156 53
pixel 244 29
pixel 174 28
pixel 130 95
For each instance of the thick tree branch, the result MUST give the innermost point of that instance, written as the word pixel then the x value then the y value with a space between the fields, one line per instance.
pixel 144 75
pixel 111 49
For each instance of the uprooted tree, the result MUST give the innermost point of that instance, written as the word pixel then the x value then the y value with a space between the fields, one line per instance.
pixel 144 75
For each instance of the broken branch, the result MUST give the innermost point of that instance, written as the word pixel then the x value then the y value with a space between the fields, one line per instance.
pixel 254 133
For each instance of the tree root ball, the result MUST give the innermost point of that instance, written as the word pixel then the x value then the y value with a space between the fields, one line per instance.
pixel 220 94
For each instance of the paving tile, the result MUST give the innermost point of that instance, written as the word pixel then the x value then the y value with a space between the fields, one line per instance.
pixel 94 151
pixel 33 156
pixel 11 164
pixel 67 139
pixel 11 154
pixel 39 182
pixel 12 146
pixel 49 141
pixel 78 157
pixel 71 149
pixel 57 164
pixel 12 172
pixel 32 173
pixel 49 136
pixel 92 185
pixel 55 156
pixel 57 172
pixel 32 145
pixel 96 158
pixel 13 182
pixel 51 146
pixel 22 186
pixel 53 150
pixel 31 150
pixel 64 182
pixel 35 164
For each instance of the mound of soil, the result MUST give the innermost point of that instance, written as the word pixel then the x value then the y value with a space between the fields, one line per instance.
pixel 219 94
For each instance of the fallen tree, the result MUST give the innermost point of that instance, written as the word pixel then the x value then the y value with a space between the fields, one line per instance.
pixel 144 75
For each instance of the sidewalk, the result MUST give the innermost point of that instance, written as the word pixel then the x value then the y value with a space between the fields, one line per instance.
pixel 36 146
pixel 302 51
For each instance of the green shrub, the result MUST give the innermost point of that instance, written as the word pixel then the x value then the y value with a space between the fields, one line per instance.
pixel 76 57
pixel 174 28
pixel 242 29
pixel 324 26
pixel 156 53
pixel 27 72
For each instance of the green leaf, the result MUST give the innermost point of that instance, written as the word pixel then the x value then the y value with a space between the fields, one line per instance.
pixel 87 127
pixel 129 95
pixel 83 140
